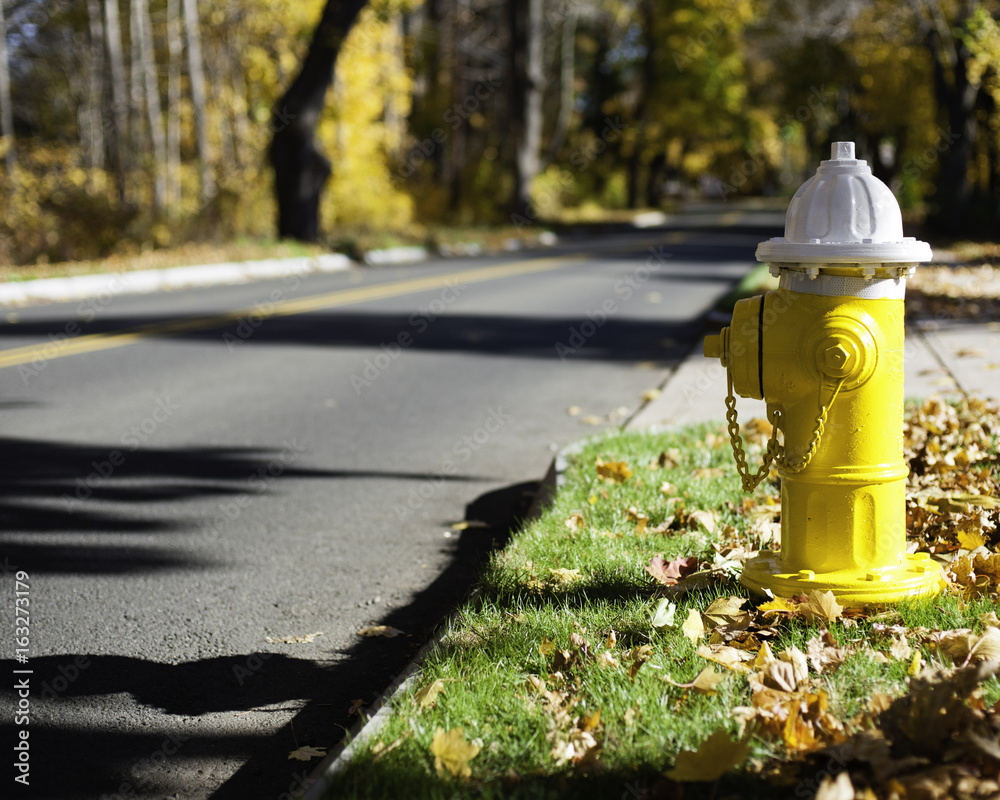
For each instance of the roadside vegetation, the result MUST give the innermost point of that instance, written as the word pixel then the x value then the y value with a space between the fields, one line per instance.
pixel 609 650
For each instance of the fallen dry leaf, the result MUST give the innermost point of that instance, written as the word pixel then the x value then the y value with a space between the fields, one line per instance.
pixel 613 471
pixel 427 697
pixel 304 639
pixel 664 615
pixel 714 758
pixel 562 577
pixel 693 627
pixel 452 753
pixel 822 606
pixel 839 788
pixel 670 572
pixel 703 519
pixel 386 631
pixel 307 753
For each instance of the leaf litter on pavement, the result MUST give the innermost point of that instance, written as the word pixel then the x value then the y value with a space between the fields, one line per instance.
pixel 612 638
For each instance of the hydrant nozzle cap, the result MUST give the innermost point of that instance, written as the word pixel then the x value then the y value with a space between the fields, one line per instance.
pixel 843 215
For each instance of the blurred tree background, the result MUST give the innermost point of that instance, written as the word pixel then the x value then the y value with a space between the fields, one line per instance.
pixel 130 124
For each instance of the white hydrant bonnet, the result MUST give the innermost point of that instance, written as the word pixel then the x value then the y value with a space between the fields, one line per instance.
pixel 843 215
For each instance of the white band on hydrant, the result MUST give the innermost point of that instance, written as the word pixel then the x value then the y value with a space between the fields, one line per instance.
pixel 843 286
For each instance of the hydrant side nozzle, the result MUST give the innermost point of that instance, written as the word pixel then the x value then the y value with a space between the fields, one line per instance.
pixel 713 346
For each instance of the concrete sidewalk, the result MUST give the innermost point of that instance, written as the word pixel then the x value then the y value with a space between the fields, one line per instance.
pixel 949 359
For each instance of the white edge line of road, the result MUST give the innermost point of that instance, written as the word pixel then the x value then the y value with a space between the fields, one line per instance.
pixel 82 287
pixel 320 780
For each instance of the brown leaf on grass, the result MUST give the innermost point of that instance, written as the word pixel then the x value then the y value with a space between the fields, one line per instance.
pixel 731 658
pixel 613 471
pixel 307 753
pixel 822 606
pixel 638 656
pixel 670 572
pixel 725 611
pixel 640 518
pixel 964 647
pixel 385 631
pixel 705 682
pixel 714 758
pixel 452 753
pixel 900 649
pixel 669 459
pixel 575 521
pixel 708 472
pixel 823 653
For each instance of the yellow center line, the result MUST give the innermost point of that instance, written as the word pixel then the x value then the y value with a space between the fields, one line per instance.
pixel 70 346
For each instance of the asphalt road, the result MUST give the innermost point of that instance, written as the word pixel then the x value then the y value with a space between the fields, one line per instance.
pixel 189 473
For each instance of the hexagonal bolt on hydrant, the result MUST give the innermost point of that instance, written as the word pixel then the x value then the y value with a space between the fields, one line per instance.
pixel 825 351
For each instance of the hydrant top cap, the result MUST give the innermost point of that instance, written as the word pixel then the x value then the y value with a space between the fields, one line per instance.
pixel 843 215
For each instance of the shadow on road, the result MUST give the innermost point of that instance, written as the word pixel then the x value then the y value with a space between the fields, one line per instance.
pixel 98 762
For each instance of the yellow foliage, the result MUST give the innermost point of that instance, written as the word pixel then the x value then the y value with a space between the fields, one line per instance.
pixel 364 127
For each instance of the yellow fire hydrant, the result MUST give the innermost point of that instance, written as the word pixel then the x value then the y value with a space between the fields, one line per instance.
pixel 825 351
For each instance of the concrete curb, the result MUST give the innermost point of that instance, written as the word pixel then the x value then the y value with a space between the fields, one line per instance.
pixel 320 780
pixel 81 287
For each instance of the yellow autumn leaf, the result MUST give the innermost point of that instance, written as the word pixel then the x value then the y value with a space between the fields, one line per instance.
pixel 777 604
pixel 427 696
pixel 562 577
pixel 575 521
pixel 707 681
pixel 971 539
pixel 714 758
pixel 703 519
pixel 613 471
pixel 693 627
pixel 822 606
pixel 452 753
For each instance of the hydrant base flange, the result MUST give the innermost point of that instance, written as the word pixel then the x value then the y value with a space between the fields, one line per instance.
pixel 917 577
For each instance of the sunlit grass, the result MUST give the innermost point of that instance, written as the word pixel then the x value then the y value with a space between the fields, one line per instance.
pixel 501 644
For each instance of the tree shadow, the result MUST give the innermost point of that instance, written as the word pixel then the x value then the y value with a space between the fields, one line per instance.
pixel 99 760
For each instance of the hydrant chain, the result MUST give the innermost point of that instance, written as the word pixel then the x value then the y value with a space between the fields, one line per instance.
pixel 771 453
pixel 800 463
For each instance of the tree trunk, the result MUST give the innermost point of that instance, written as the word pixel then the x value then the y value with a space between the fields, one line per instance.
pixel 300 170
pixel 567 75
pixel 196 73
pixel 95 95
pixel 526 21
pixel 6 112
pixel 956 94
pixel 147 57
pixel 118 95
pixel 175 44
